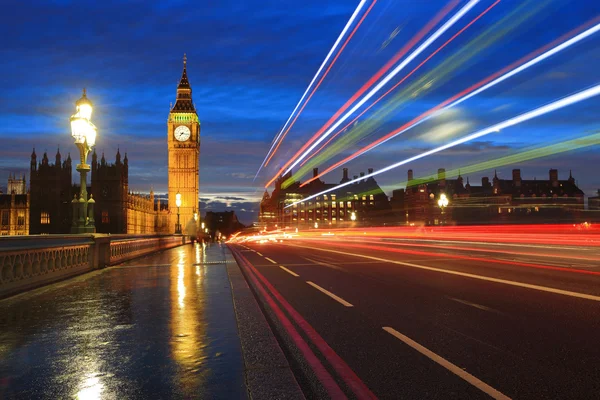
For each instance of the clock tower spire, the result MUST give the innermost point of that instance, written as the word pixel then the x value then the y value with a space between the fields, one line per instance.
pixel 183 142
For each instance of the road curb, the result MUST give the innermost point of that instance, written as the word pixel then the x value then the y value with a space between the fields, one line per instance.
pixel 267 372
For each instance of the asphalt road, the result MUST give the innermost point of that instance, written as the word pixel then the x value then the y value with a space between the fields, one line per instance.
pixel 440 319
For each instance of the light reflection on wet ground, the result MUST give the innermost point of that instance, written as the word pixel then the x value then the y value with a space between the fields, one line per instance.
pixel 158 327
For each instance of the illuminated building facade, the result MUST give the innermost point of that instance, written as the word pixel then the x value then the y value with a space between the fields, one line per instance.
pixel 500 201
pixel 363 202
pixel 117 210
pixel 14 208
pixel 183 142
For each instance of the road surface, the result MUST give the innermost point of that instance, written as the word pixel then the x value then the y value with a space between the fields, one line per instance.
pixel 419 318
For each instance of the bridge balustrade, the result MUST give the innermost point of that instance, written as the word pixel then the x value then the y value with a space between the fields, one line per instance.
pixel 27 262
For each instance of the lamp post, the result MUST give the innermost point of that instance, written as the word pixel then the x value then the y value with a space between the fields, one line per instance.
pixel 84 133
pixel 443 203
pixel 178 204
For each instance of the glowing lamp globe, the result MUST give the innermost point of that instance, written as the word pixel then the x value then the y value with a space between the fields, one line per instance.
pixel 78 129
pixel 443 200
pixel 84 107
pixel 178 199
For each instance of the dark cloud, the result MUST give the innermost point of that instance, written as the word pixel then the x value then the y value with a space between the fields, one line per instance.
pixel 231 198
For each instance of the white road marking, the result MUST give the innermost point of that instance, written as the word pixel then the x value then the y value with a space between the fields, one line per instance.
pixel 479 384
pixel 328 293
pixel 468 303
pixel 467 275
pixel 259 254
pixel 267 258
pixel 288 271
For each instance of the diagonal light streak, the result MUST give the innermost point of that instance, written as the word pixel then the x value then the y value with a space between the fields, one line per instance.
pixel 402 80
pixel 348 24
pixel 567 101
pixel 321 80
pixel 462 96
pixel 401 53
pixel 389 77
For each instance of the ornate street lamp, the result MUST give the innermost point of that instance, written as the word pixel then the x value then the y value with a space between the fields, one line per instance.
pixel 84 133
pixel 178 204
pixel 353 216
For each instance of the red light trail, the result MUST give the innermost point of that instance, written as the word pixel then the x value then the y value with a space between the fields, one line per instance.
pixel 397 84
pixel 348 24
pixel 499 76
pixel 320 81
pixel 427 28
pixel 355 245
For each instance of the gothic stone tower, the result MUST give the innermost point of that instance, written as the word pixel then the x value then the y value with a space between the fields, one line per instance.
pixel 110 185
pixel 183 139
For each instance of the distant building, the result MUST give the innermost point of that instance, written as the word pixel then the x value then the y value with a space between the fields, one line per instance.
pixel 501 201
pixel 117 210
pixel 50 195
pixel 364 200
pixel 594 202
pixel 16 185
pixel 225 222
pixel 14 208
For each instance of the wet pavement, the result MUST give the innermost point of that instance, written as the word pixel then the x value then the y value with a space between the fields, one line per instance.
pixel 159 327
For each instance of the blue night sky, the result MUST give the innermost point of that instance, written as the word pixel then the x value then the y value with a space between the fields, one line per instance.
pixel 250 61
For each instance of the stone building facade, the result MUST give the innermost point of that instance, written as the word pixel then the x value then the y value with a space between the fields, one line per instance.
pixel 51 192
pixel 513 200
pixel 14 208
pixel 183 145
pixel 117 209
pixel 361 203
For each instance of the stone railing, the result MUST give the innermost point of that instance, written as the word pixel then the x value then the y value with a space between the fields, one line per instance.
pixel 27 262
pixel 126 249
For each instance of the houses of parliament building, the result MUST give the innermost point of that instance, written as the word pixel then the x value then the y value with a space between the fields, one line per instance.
pixel 46 208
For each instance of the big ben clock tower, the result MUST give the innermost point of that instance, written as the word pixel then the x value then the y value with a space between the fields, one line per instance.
pixel 183 139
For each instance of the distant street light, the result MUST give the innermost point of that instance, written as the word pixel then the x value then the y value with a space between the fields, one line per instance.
pixel 316 225
pixel 353 216
pixel 178 204
pixel 443 203
pixel 84 133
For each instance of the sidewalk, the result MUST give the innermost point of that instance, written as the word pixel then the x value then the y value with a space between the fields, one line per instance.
pixel 162 326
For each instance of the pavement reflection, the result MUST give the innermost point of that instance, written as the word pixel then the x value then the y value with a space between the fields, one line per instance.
pixel 158 327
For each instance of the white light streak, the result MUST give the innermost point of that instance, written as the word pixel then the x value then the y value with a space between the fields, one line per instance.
pixel 496 81
pixel 567 101
pixel 337 42
pixel 385 80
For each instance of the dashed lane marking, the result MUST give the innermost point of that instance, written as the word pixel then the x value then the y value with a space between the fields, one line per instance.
pixel 267 258
pixel 478 306
pixel 466 275
pixel 288 271
pixel 328 293
pixel 479 384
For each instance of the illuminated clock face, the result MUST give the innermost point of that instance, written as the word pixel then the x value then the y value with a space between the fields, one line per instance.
pixel 182 133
